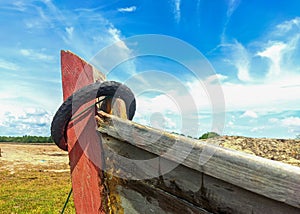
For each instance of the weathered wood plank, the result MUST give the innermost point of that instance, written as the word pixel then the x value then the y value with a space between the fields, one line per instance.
pixel 274 180
pixel 187 185
pixel 138 196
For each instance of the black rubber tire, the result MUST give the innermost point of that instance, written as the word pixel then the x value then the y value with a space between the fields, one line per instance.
pixel 90 92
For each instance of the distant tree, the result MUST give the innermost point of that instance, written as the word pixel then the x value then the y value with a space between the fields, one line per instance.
pixel 26 139
pixel 298 136
pixel 209 135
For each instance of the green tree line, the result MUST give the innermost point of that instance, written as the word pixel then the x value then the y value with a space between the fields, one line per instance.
pixel 26 139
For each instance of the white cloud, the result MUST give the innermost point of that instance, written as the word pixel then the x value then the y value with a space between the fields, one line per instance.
pixel 258 129
pixel 70 31
pixel 177 13
pixel 36 55
pixel 160 111
pixel 117 53
pixel 288 25
pixel 280 48
pixel 273 120
pixel 268 95
pixel 25 121
pixel 273 95
pixel 127 9
pixel 32 24
pixel 233 4
pixel 230 123
pixel 274 84
pixel 53 13
pixel 115 33
pixel 31 92
pixel 8 65
pixel 249 114
pixel 291 121
pixel 238 56
pixel 274 52
pixel 98 32
pixel 166 104
pixel 241 61
pixel 214 78
pixel 20 5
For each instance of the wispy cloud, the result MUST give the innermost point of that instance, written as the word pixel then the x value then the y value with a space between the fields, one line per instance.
pixel 127 9
pixel 288 25
pixel 232 6
pixel 68 37
pixel 54 13
pixel 282 49
pixel 8 65
pixel 19 6
pixel 272 56
pixel 116 55
pixel 238 56
pixel 36 55
pixel 70 31
pixel 177 13
pixel 68 26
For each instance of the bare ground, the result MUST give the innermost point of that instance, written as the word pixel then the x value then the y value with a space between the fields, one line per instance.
pixel 16 156
pixel 34 179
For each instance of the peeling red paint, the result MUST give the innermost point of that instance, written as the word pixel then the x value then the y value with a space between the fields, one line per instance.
pixel 83 142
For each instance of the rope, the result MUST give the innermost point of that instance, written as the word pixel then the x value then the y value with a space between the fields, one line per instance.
pixel 65 205
pixel 87 108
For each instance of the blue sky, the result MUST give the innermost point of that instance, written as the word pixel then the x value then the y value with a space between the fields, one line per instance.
pixel 253 47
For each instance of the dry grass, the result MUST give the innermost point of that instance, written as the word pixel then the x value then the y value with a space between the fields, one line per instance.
pixel 27 187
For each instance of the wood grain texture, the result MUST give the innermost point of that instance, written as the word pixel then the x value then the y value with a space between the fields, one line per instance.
pixel 274 180
pixel 138 196
pixel 83 143
pixel 115 202
pixel 187 186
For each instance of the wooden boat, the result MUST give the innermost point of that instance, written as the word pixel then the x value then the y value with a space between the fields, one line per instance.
pixel 125 167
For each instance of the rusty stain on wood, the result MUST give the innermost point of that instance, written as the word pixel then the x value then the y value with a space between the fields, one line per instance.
pixel 116 108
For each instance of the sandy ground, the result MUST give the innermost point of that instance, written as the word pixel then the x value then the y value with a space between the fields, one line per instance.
pixel 15 155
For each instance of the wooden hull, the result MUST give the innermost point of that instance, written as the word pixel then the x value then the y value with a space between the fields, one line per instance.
pixel 130 168
pixel 229 182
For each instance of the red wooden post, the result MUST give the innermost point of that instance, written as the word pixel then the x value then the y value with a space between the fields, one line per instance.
pixel 83 142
